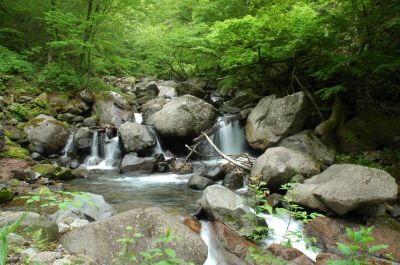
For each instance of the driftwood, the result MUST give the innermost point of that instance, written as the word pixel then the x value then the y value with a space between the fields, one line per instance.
pixel 226 157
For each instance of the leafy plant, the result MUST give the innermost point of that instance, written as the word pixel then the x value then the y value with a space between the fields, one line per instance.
pixel 4 232
pixel 359 250
pixel 19 111
pixel 163 255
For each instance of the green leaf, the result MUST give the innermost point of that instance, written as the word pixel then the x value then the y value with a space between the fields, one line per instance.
pixel 345 249
pixel 170 252
pixel 376 248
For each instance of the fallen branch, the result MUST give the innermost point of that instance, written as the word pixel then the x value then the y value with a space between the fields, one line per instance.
pixel 225 156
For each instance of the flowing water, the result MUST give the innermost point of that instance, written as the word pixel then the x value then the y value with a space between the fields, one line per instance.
pixel 69 146
pixel 157 149
pixel 138 117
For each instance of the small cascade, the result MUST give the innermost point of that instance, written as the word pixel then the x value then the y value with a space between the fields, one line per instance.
pixel 157 149
pixel 111 152
pixel 138 117
pixel 69 146
pixel 94 157
pixel 230 137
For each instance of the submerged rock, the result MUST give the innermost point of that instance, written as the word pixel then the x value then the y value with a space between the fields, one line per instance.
pixel 275 118
pixel 279 164
pixel 100 237
pixel 344 188
pixel 46 135
pixel 187 116
pixel 135 137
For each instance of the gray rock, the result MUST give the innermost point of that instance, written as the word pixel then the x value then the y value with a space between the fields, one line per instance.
pixel 91 207
pixel 344 187
pixel 197 182
pixel 140 165
pixel 275 118
pixel 36 156
pixel 100 237
pixel 87 96
pixel 113 109
pixel 306 142
pixel 46 257
pixel 221 204
pixel 83 140
pixel 76 106
pixel 32 221
pixel 46 135
pixel 279 164
pixel 16 240
pixel 135 137
pixel 186 116
pixel 215 173
pixel 24 175
pixel 234 180
pixel 152 106
pixel 90 122
pixel 167 89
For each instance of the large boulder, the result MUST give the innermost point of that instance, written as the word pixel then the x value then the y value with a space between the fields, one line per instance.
pixel 83 140
pixel 112 109
pixel 32 222
pixel 186 116
pixel 306 142
pixel 139 165
pixel 167 89
pixel 46 135
pixel 223 205
pixel 98 240
pixel 344 188
pixel 279 164
pixel 275 118
pixel 152 106
pixel 135 137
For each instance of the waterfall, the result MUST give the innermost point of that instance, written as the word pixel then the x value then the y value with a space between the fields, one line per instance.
pixel 69 146
pixel 94 158
pixel 157 149
pixel 110 152
pixel 138 117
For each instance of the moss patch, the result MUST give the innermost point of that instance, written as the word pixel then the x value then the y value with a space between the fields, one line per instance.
pixel 14 152
pixel 53 172
pixel 6 195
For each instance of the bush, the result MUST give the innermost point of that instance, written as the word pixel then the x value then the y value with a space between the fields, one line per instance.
pixel 13 63
pixel 59 76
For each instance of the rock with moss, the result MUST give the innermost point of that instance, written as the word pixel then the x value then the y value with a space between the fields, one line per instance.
pixel 87 96
pixel 1 138
pixel 243 99
pixel 76 106
pixel 14 152
pixel 58 101
pixel 42 101
pixel 185 116
pixel 46 135
pixel 6 194
pixel 53 172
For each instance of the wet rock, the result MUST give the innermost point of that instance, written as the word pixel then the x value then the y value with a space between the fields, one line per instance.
pixel 83 141
pixel 231 240
pixel 197 182
pixel 46 135
pixel 215 173
pixel 178 166
pixel 275 118
pixel 131 163
pixel 193 224
pixel 187 116
pixel 53 172
pixel 221 204
pixel 279 164
pixel 234 180
pixel 306 142
pixel 100 237
pixel 90 207
pixel 89 122
pixel 135 137
pixel 32 221
pixel 344 187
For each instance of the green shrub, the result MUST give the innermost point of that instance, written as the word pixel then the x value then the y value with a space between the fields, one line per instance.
pixel 59 76
pixel 19 111
pixel 13 63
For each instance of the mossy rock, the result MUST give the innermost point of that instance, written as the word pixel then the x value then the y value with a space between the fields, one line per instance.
pixel 58 101
pixel 42 101
pixel 14 134
pixel 6 195
pixel 14 152
pixel 53 172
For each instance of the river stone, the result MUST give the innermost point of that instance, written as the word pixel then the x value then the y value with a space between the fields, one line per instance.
pixel 306 142
pixel 46 257
pixel 112 109
pixel 221 204
pixel 33 221
pixel 91 207
pixel 167 89
pixel 234 180
pixel 345 187
pixel 100 238
pixel 135 137
pixel 197 182
pixel 152 106
pixel 279 164
pixel 275 118
pixel 46 135
pixel 83 140
pixel 187 116
pixel 90 122
pixel 139 165
pixel 214 173
pixel 87 96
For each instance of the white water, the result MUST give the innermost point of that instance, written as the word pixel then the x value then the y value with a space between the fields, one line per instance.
pixel 230 136
pixel 157 149
pixel 152 179
pixel 138 117
pixel 111 151
pixel 69 146
pixel 94 158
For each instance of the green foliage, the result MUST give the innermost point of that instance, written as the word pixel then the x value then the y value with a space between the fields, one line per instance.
pixel 162 255
pixel 4 232
pixel 358 251
pixel 19 111
pixel 328 92
pixel 13 63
